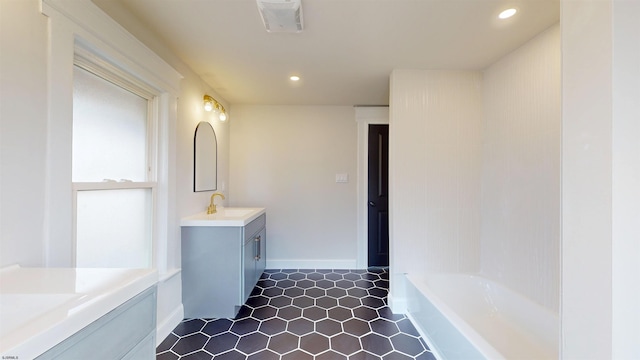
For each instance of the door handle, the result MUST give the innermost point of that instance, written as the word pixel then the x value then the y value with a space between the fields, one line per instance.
pixel 257 251
pixel 371 203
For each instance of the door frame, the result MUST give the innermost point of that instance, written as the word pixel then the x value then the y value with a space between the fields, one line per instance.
pixel 365 115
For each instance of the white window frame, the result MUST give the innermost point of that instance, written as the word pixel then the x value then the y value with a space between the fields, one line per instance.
pixel 86 60
pixel 80 27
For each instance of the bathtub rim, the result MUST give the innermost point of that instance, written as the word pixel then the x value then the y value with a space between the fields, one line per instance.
pixel 33 339
pixel 481 345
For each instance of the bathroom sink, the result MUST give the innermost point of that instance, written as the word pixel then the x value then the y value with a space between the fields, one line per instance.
pixel 227 216
pixel 234 212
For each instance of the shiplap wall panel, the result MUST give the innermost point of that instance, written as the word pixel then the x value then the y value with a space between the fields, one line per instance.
pixel 521 170
pixel 435 159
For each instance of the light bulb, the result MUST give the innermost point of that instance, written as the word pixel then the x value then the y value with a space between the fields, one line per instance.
pixel 507 13
pixel 208 106
pixel 222 116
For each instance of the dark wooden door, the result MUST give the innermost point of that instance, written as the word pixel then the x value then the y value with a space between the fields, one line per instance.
pixel 378 184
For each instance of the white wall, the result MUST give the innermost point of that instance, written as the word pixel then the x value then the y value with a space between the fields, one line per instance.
pixel 285 158
pixel 600 176
pixel 435 161
pixel 190 113
pixel 521 170
pixel 23 126
pixel 24 37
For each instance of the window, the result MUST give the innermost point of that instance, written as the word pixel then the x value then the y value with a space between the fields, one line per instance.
pixel 112 168
pixel 82 35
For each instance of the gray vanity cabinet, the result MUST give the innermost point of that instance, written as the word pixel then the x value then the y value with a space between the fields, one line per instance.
pixel 220 267
pixel 254 260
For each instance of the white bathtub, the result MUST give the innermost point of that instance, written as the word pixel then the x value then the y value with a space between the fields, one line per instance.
pixel 40 307
pixel 470 317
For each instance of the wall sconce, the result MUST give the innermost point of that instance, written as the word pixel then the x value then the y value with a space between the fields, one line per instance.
pixel 211 104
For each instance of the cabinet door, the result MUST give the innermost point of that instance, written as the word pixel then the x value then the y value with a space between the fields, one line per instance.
pixel 248 270
pixel 261 262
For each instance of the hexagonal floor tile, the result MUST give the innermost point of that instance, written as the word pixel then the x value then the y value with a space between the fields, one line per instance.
pixel 293 292
pixel 272 326
pixel 303 302
pixel 314 313
pixel 407 344
pixel 283 343
pixel 222 343
pixel 330 355
pixel 189 327
pixel 314 343
pixel 384 327
pixel 255 301
pixel 217 326
pixel 251 343
pixel 345 344
pixel 328 327
pixel 300 326
pixel 264 312
pixel 356 327
pixel 365 313
pixel 349 302
pixel 280 301
pixel 376 344
pixel 315 292
pixel 244 326
pixel 336 293
pixel 296 314
pixel 191 343
pixel 264 355
pixel 326 302
pixel 340 313
pixel 297 355
pixel 289 312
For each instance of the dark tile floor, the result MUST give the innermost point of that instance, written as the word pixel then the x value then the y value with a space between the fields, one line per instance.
pixel 304 314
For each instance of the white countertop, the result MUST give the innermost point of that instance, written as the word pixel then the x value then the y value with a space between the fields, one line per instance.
pixel 227 216
pixel 40 307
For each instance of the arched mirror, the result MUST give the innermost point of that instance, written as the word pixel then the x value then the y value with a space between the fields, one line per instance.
pixel 205 158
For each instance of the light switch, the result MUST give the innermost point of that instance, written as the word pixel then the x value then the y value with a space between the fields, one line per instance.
pixel 342 178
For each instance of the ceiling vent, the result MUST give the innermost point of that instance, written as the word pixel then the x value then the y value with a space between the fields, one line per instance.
pixel 281 15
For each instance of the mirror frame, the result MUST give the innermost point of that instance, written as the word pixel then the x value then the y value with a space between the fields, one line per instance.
pixel 198 186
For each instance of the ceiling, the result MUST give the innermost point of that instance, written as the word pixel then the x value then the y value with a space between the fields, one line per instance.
pixel 347 50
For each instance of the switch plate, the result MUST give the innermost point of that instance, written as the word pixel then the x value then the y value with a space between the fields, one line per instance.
pixel 342 178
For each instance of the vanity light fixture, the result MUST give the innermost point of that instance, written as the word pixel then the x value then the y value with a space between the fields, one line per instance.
pixel 211 104
pixel 507 13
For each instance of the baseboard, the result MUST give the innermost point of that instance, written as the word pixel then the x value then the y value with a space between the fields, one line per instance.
pixel 164 328
pixel 398 305
pixel 312 264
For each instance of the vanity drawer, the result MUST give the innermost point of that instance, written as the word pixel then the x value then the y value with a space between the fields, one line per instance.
pixel 115 334
pixel 255 226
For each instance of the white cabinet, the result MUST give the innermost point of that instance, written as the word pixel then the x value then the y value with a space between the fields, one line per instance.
pixel 220 267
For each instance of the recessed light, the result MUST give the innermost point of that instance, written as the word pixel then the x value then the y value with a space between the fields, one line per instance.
pixel 294 78
pixel 507 13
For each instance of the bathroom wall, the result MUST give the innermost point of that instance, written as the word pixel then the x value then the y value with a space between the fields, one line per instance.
pixel 435 159
pixel 23 147
pixel 520 236
pixel 286 158
pixel 475 172
pixel 23 115
pixel 190 113
pixel 600 177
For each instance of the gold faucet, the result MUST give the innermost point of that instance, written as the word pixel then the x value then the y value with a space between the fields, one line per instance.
pixel 212 207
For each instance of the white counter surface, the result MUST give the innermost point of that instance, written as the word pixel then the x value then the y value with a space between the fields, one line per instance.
pixel 40 307
pixel 228 216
